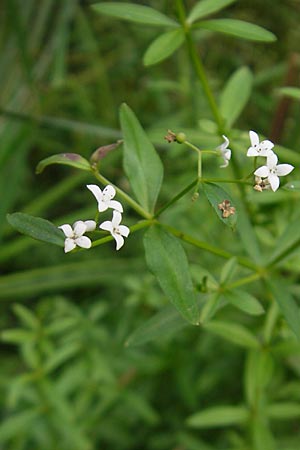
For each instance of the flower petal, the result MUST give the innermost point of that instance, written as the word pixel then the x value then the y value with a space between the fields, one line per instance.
pixel 108 193
pixel 262 171
pixel 115 205
pixel 254 139
pixel 96 191
pixel 79 228
pixel 107 226
pixel 69 245
pixel 123 230
pixel 252 152
pixel 272 160
pixel 274 181
pixel 284 169
pixel 117 218
pixel 102 206
pixel 266 145
pixel 83 242
pixel 67 229
pixel 90 225
pixel 119 240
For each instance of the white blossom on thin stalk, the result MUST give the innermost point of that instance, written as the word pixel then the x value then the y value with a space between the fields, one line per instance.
pixel 225 152
pixel 272 171
pixel 263 148
pixel 104 198
pixel 116 230
pixel 74 235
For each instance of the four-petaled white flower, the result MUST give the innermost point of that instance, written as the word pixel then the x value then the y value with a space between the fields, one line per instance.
pixel 225 152
pixel 272 171
pixel 116 230
pixel 263 148
pixel 104 198
pixel 74 235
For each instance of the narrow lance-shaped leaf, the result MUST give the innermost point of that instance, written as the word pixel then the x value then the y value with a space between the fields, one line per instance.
pixel 287 305
pixel 291 92
pixel 168 262
pixel 206 7
pixel 67 159
pixel 238 28
pixel 163 323
pixel 232 332
pixel 134 13
pixel 287 242
pixel 37 228
pixel 236 95
pixel 162 47
pixel 219 416
pixel 244 301
pixel 141 161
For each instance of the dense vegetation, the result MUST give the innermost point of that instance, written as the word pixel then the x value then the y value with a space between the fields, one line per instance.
pixel 94 355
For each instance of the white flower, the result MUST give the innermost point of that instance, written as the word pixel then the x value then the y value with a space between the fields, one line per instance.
pixel 74 236
pixel 272 171
pixel 225 152
pixel 104 198
pixel 263 148
pixel 116 230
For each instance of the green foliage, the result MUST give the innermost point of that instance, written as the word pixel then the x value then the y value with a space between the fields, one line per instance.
pixel 37 228
pixel 163 46
pixel 97 346
pixel 141 162
pixel 167 261
pixel 239 28
pixel 68 159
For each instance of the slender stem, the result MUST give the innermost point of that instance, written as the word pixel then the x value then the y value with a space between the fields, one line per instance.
pixel 245 280
pixel 210 248
pixel 122 194
pixel 177 197
pixel 198 67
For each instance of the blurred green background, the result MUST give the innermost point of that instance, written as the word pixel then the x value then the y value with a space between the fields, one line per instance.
pixel 67 379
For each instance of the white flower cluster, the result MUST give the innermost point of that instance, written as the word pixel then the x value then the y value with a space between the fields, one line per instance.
pixel 267 176
pixel 74 235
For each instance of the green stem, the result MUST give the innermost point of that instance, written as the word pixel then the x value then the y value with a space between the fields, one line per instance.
pixel 177 197
pixel 210 248
pixel 134 205
pixel 245 280
pixel 198 67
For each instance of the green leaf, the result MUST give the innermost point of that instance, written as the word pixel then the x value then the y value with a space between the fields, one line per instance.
pixel 163 323
pixel 216 196
pixel 167 261
pixel 206 7
pixel 292 92
pixel 228 270
pixel 244 301
pixel 141 162
pixel 287 305
pixel 235 95
pixel 234 333
pixel 134 13
pixel 163 46
pixel 239 28
pixel 293 186
pixel 219 416
pixel 287 242
pixel 283 411
pixel 37 228
pixel 67 159
pixel 247 234
pixel 18 423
